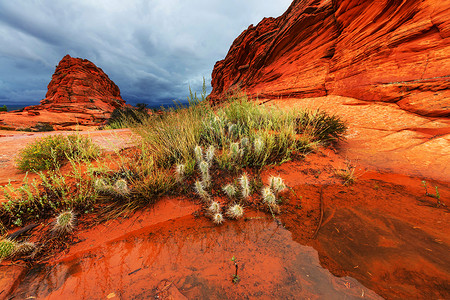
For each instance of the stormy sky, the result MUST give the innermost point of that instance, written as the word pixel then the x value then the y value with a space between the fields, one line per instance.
pixel 153 50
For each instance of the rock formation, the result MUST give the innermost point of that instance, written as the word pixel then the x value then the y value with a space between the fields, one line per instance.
pixel 388 50
pixel 79 94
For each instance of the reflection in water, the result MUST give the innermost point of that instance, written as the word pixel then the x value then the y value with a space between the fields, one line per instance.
pixel 196 256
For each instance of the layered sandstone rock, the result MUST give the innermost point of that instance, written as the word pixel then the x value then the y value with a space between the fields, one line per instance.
pixel 79 95
pixel 387 50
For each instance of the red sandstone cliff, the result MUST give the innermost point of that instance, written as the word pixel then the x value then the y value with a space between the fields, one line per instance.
pixel 78 81
pixel 80 94
pixel 388 50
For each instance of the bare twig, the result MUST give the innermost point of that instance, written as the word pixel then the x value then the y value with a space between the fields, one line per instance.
pixel 321 214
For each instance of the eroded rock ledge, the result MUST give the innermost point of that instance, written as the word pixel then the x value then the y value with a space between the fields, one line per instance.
pixel 388 50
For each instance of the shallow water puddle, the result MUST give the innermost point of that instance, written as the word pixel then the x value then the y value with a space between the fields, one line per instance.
pixel 194 258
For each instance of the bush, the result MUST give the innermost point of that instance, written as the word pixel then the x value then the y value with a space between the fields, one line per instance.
pixel 124 116
pixel 53 151
pixel 3 108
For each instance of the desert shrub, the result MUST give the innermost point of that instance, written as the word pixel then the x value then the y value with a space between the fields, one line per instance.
pixel 127 116
pixel 54 191
pixel 3 108
pixel 41 127
pixel 320 125
pixel 53 151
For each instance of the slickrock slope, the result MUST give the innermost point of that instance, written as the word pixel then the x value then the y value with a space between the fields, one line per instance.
pixel 388 50
pixel 79 95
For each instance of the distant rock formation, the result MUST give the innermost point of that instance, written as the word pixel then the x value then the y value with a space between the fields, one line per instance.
pixel 79 95
pixel 79 82
pixel 388 50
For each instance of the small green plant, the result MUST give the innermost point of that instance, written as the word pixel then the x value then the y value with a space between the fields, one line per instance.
pixel 347 174
pixel 437 196
pixel 64 223
pixel 3 108
pixel 235 279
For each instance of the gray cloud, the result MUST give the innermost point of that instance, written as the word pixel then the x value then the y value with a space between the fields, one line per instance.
pixel 153 50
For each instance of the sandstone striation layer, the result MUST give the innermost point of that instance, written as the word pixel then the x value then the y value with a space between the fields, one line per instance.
pixel 388 50
pixel 79 95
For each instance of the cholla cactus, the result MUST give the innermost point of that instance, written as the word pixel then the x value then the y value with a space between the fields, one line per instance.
pixel 65 223
pixel 25 248
pixel 198 152
pixel 101 185
pixel 268 196
pixel 245 185
pixel 235 152
pixel 245 143
pixel 258 145
pixel 276 184
pixel 217 218
pixel 180 170
pixel 210 154
pixel 232 130
pixel 200 190
pixel 7 248
pixel 121 187
pixel 204 170
pixel 214 207
pixel 230 190
pixel 235 211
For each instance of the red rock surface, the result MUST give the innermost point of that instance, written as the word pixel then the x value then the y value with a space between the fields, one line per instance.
pixel 387 50
pixel 80 94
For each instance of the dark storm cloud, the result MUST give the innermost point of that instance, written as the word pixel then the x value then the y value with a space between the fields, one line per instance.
pixel 153 50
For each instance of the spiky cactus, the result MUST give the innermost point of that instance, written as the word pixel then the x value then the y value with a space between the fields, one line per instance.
pixel 7 248
pixel 210 154
pixel 235 151
pixel 230 190
pixel 204 171
pixel 101 185
pixel 268 196
pixel 277 184
pixel 245 143
pixel 214 207
pixel 64 223
pixel 232 130
pixel 245 186
pixel 258 146
pixel 180 171
pixel 121 187
pixel 200 190
pixel 235 211
pixel 198 152
pixel 217 218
